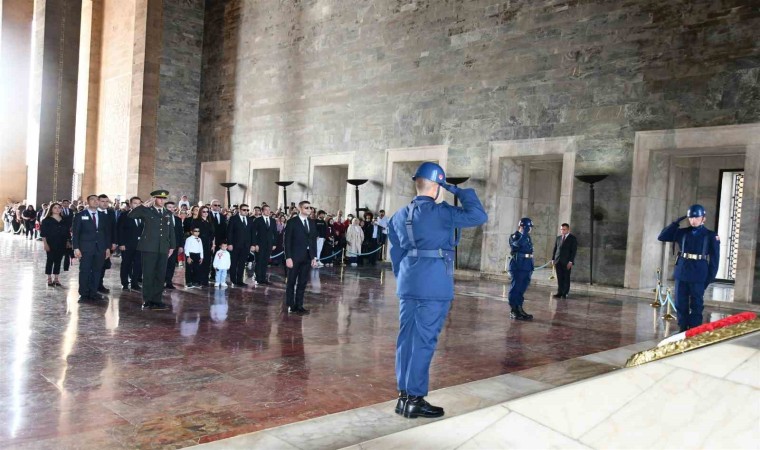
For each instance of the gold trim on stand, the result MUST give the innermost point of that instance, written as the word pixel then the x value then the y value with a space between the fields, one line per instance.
pixel 698 341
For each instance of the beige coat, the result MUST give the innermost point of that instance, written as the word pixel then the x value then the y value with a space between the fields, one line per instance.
pixel 355 237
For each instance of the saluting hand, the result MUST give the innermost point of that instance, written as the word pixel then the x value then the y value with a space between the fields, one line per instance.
pixel 451 188
pixel 681 218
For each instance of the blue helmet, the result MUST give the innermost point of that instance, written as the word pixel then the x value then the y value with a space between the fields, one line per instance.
pixel 526 222
pixel 695 211
pixel 430 171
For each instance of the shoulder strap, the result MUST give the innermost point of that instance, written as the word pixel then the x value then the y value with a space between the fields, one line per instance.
pixel 409 221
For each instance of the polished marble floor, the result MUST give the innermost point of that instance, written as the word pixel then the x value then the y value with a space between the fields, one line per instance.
pixel 227 362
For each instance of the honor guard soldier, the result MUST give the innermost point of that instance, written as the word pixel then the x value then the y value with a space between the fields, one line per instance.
pixel 156 246
pixel 521 268
pixel 422 252
pixel 696 266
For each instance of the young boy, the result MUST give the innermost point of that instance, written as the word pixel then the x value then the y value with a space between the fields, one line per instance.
pixel 194 258
pixel 222 264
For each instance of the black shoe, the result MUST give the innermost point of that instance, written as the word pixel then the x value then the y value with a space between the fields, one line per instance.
pixel 50 284
pixel 169 286
pixel 159 306
pixel 103 290
pixel 124 288
pixel 517 315
pixel 302 310
pixel 525 315
pixel 98 298
pixel 84 299
pixel 240 285
pixel 57 283
pixel 557 295
pixel 401 403
pixel 204 284
pixel 136 287
pixel 419 407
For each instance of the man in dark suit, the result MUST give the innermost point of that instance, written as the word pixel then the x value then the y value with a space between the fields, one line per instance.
pixel 156 246
pixel 240 243
pixel 264 240
pixel 300 256
pixel 564 258
pixel 91 239
pixel 110 222
pixel 128 236
pixel 67 213
pixel 220 229
pixel 179 234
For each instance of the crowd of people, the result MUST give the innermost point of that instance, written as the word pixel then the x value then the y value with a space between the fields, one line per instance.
pixel 205 230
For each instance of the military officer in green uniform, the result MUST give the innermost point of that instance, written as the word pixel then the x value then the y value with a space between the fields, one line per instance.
pixel 156 246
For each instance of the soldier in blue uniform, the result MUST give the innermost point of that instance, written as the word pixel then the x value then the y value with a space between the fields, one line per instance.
pixel 422 252
pixel 696 266
pixel 521 268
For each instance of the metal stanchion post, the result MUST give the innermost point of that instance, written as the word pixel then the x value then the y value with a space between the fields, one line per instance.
pixel 656 303
pixel 668 316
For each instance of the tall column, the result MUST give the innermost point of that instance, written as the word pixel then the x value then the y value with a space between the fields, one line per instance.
pixel 15 56
pixel 146 61
pixel 53 98
pixel 88 95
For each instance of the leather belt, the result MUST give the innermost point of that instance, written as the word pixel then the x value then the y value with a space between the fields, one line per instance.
pixel 693 256
pixel 440 253
pixel 523 255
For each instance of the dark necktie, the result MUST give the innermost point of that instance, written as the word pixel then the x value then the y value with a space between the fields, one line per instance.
pixel 306 225
pixel 94 219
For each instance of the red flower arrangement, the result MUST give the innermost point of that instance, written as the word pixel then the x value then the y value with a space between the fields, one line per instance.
pixel 725 322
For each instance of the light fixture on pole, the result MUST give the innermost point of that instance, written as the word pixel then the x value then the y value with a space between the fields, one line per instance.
pixel 591 179
pixel 356 182
pixel 456 181
pixel 227 186
pixel 284 185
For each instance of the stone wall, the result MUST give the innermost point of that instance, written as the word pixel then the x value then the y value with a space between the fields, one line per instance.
pixel 297 79
pixel 179 92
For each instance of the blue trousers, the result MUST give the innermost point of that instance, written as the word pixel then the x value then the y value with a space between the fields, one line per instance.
pixel 518 286
pixel 420 322
pixel 689 303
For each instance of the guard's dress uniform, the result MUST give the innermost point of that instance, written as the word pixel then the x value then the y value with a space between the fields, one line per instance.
pixel 156 240
pixel 696 267
pixel 521 267
pixel 422 253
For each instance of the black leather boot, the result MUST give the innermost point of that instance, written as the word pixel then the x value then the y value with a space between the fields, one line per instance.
pixel 518 315
pixel 419 407
pixel 525 315
pixel 401 403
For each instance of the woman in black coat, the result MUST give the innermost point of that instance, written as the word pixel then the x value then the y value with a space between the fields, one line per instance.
pixel 54 230
pixel 206 225
pixel 30 216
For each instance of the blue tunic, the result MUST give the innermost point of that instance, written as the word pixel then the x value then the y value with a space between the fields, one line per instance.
pixel 433 229
pixel 695 240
